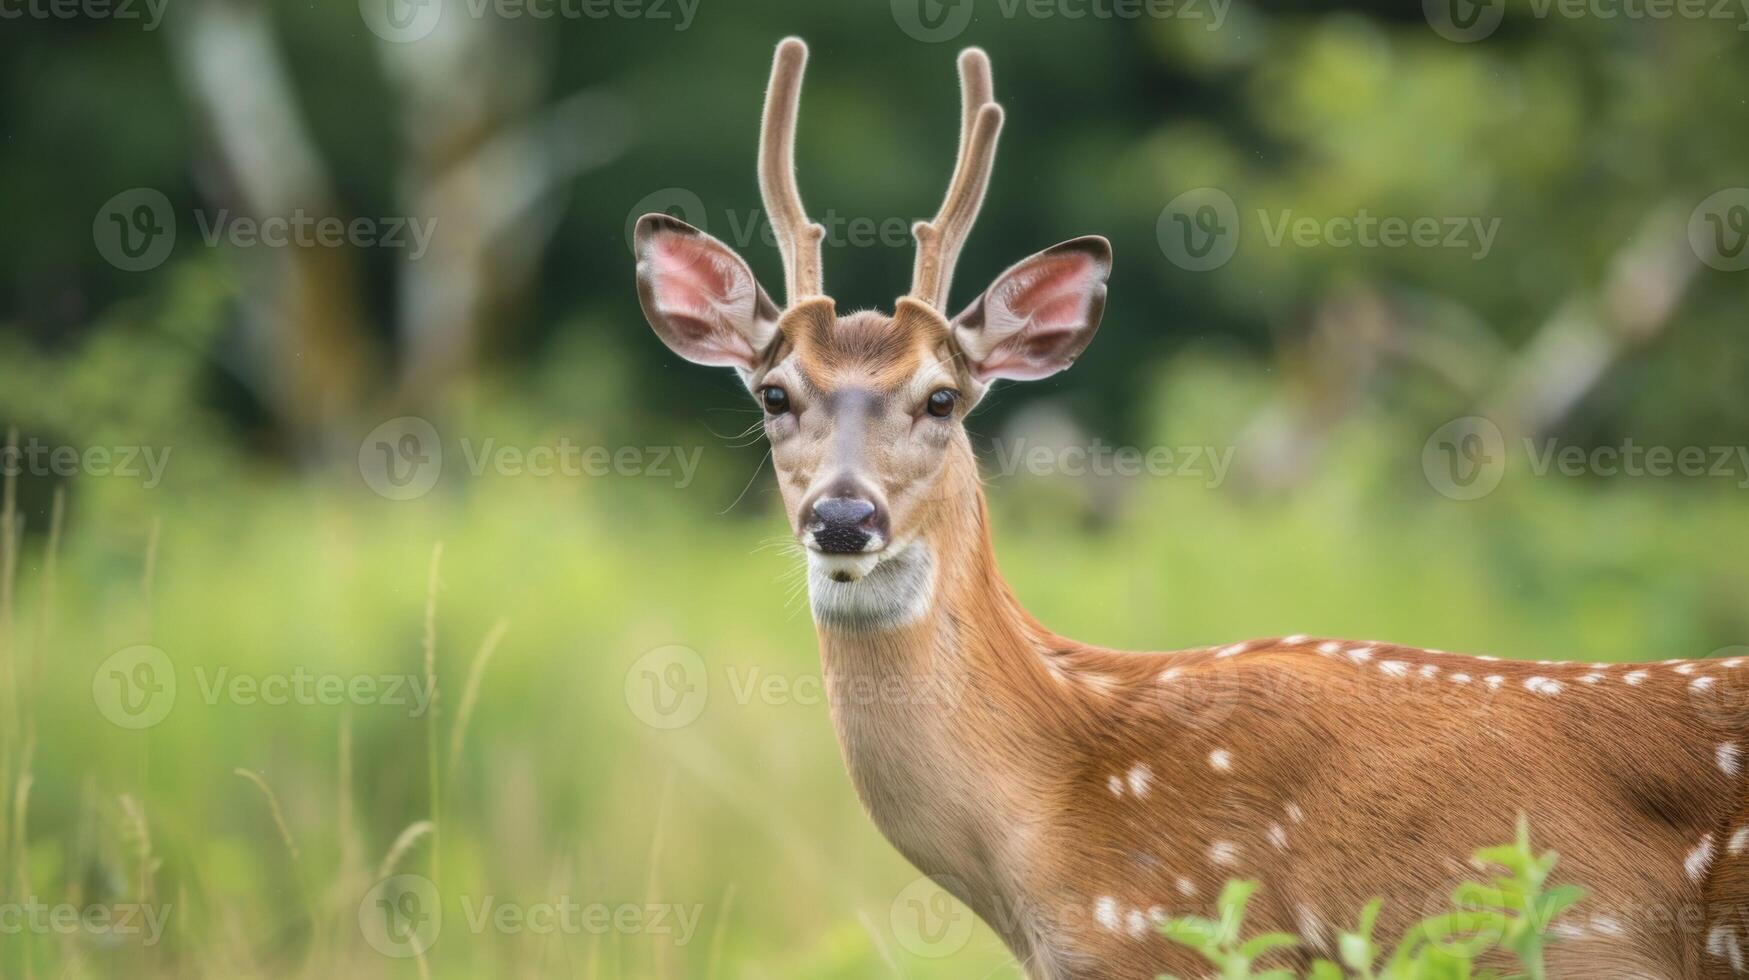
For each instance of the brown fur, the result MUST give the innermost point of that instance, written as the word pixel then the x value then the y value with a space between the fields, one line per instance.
pixel 990 762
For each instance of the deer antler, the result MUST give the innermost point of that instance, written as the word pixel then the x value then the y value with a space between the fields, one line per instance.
pixel 939 241
pixel 797 238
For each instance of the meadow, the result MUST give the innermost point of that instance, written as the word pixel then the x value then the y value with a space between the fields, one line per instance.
pixel 567 820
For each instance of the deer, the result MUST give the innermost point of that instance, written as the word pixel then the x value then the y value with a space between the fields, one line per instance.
pixel 1073 797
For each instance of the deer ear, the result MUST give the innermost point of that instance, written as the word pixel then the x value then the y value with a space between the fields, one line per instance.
pixel 700 296
pixel 1038 316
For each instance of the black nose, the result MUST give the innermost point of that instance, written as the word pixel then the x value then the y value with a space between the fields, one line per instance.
pixel 841 525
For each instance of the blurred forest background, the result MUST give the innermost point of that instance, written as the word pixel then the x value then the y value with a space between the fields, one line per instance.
pixel 329 500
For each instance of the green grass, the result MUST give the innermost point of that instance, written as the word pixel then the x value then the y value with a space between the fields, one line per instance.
pixel 1509 917
pixel 743 816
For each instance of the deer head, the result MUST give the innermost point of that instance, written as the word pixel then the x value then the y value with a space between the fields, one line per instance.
pixel 863 410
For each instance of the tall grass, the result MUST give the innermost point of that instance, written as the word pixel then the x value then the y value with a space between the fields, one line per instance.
pixel 537 780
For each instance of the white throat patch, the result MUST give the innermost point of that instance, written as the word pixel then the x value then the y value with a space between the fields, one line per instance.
pixel 897 591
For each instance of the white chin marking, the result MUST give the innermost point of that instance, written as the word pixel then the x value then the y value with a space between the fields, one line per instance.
pixel 871 592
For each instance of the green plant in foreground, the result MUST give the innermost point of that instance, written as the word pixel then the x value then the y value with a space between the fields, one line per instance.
pixel 1510 912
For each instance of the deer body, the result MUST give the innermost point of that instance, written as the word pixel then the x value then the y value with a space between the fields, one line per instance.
pixel 1073 796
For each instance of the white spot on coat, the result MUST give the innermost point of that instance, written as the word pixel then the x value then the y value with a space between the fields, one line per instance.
pixel 1224 853
pixel 1591 678
pixel 1700 684
pixel 1296 814
pixel 1494 681
pixel 1105 913
pixel 1684 669
pixel 1137 923
pixel 1395 668
pixel 1115 785
pixel 1138 779
pixel 1460 678
pixel 1699 859
pixel 1169 673
pixel 1543 685
pixel 1739 840
pixel 1329 647
pixel 1221 760
pixel 1634 677
pixel 1360 655
pixel 1278 836
pixel 1730 758
pixel 1428 671
pixel 1186 887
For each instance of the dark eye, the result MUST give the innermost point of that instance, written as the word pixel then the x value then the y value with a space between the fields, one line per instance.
pixel 941 402
pixel 775 399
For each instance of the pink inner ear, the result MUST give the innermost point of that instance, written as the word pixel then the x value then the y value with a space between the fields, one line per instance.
pixel 1036 313
pixel 703 292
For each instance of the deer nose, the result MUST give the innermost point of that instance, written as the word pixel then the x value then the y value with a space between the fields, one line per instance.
pixel 844 525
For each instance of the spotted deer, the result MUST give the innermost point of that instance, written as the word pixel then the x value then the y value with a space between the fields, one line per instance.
pixel 1075 796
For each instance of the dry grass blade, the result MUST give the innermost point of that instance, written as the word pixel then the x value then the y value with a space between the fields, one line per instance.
pixel 471 691
pixel 139 835
pixel 404 843
pixel 432 765
pixel 285 833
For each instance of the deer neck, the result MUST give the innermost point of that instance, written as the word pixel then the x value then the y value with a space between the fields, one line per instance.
pixel 934 667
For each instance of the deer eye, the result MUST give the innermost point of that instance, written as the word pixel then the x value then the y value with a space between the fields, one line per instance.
pixel 942 401
pixel 775 399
